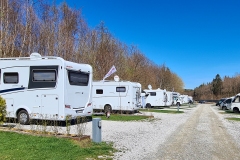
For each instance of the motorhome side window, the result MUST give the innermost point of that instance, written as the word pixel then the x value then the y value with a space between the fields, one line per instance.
pixel 78 78
pixel 120 89
pixel 10 77
pixel 99 91
pixel 44 75
pixel 152 93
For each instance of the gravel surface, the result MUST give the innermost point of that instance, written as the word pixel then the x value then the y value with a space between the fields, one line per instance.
pixel 138 140
pixel 233 127
pixel 202 136
pixel 201 132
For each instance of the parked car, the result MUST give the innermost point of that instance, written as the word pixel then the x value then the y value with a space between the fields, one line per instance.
pixel 226 104
pixel 201 101
pixel 220 101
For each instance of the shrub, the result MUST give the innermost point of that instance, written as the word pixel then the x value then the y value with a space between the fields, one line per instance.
pixel 3 111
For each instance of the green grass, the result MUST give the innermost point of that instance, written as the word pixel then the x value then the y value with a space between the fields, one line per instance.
pixel 226 112
pixel 173 107
pixel 233 119
pixel 23 146
pixel 160 111
pixel 123 117
pixel 192 105
pixel 183 106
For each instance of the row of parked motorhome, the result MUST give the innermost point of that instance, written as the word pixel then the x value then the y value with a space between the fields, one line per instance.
pixel 52 88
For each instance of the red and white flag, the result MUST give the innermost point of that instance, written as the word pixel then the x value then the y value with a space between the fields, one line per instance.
pixel 111 71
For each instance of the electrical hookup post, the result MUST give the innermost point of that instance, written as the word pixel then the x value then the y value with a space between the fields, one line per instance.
pixel 178 106
pixel 97 130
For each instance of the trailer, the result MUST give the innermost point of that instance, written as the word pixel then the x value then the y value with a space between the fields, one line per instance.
pixel 45 87
pixel 116 96
pixel 156 97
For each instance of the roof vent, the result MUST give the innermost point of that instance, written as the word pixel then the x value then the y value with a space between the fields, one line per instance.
pixel 35 55
pixel 150 87
pixel 116 78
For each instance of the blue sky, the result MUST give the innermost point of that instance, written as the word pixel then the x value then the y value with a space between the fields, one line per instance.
pixel 196 39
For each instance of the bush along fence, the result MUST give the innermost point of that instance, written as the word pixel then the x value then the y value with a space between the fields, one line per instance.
pixel 3 111
pixel 70 128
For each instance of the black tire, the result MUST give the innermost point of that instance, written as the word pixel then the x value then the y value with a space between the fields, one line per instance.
pixel 178 104
pixel 148 105
pixel 23 117
pixel 235 110
pixel 107 108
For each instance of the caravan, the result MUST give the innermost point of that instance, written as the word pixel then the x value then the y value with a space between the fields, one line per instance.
pixel 48 88
pixel 116 96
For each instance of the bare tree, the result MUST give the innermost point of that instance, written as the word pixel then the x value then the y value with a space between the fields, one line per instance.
pixel 42 26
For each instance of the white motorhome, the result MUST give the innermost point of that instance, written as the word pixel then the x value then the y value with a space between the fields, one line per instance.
pixel 190 99
pixel 48 88
pixel 184 98
pixel 156 97
pixel 115 96
pixel 169 97
pixel 143 99
pixel 177 100
pixel 235 105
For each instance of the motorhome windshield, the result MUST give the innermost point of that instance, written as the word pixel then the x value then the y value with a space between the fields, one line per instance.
pixel 175 97
pixel 78 78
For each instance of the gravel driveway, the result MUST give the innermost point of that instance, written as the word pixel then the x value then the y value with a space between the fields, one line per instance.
pixel 201 133
pixel 202 136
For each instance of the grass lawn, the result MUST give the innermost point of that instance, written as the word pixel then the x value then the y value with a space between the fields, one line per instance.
pixel 226 112
pixel 233 119
pixel 123 117
pixel 23 146
pixel 160 111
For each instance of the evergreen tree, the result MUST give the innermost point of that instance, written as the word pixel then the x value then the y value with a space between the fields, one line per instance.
pixel 217 85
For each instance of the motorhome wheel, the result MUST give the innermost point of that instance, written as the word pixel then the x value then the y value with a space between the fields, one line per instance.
pixel 108 108
pixel 23 117
pixel 148 105
pixel 235 110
